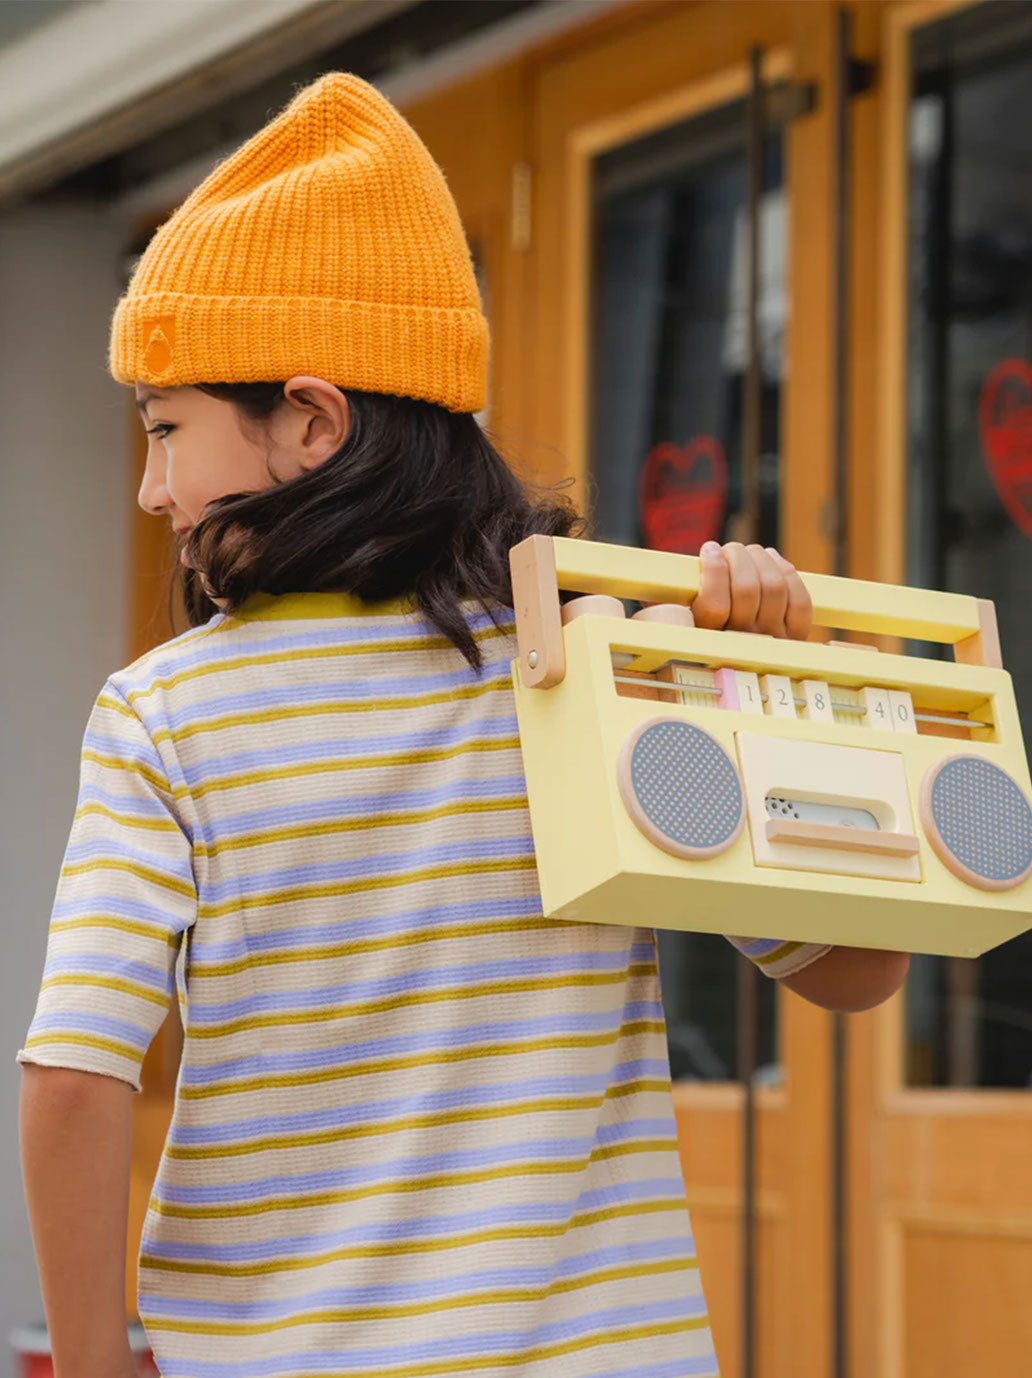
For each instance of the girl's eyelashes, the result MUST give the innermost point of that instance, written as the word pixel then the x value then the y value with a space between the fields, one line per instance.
pixel 161 426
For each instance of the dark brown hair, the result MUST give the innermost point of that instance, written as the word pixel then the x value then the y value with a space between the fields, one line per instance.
pixel 417 501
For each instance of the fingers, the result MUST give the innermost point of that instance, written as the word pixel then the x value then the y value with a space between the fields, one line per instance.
pixel 751 589
pixel 799 613
pixel 712 604
pixel 773 591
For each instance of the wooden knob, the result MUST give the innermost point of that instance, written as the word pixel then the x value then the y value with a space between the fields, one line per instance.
pixel 592 605
pixel 673 613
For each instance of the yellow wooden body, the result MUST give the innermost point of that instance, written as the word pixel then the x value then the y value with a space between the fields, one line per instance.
pixel 596 866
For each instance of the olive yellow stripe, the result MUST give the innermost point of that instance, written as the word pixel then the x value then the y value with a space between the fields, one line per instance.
pixel 129 820
pixel 396 1186
pixel 88 982
pixel 499 1297
pixel 400 1001
pixel 264 899
pixel 335 766
pixel 139 930
pixel 186 640
pixel 286 712
pixel 785 950
pixel 431 1059
pixel 328 827
pixel 390 1247
pixel 355 947
pixel 236 1148
pixel 333 651
pixel 612 1336
pixel 55 1038
pixel 133 868
pixel 125 765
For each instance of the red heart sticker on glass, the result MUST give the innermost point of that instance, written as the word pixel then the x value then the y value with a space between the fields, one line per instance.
pixel 1005 430
pixel 682 494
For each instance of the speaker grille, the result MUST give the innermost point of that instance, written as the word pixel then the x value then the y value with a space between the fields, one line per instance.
pixel 681 788
pixel 982 822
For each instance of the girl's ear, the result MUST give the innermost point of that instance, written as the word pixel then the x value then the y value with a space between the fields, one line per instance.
pixel 319 419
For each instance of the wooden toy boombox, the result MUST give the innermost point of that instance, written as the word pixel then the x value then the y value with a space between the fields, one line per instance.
pixel 732 782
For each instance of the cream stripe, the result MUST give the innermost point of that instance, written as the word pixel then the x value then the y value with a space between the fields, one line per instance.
pixel 502 1296
pixel 393 942
pixel 442 995
pixel 329 827
pixel 105 863
pixel 55 1038
pixel 140 930
pixel 89 982
pixel 310 711
pixel 331 651
pixel 399 759
pixel 438 1057
pixel 398 1186
pixel 126 765
pixel 610 1337
pixel 389 1248
pixel 265 898
pixel 505 1110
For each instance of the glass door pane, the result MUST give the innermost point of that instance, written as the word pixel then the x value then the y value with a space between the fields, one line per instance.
pixel 669 311
pixel 970 445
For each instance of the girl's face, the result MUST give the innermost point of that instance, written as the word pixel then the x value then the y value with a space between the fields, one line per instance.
pixel 201 448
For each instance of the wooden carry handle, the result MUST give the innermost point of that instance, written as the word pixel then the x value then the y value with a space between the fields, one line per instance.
pixel 542 565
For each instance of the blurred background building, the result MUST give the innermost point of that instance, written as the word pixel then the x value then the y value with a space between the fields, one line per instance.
pixel 600 153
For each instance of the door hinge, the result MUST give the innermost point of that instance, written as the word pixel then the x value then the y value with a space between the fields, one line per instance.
pixel 789 100
pixel 861 75
pixel 522 188
pixel 785 101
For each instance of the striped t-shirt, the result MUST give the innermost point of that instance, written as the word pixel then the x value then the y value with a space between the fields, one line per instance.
pixel 418 1128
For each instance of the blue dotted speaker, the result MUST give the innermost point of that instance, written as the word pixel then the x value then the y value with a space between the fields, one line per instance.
pixel 978 821
pixel 681 788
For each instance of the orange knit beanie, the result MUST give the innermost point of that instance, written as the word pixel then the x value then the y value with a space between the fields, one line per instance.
pixel 328 244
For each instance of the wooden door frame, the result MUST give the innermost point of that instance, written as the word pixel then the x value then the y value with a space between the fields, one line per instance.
pixel 883 1114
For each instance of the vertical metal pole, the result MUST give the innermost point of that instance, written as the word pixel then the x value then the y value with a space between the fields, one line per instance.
pixel 753 399
pixel 748 1023
pixel 839 1064
pixel 748 530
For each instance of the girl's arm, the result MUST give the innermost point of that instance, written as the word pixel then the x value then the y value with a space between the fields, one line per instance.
pixel 850 979
pixel 748 588
pixel 126 896
pixel 76 1142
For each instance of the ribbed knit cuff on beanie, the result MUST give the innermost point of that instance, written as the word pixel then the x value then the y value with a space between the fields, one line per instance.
pixel 327 244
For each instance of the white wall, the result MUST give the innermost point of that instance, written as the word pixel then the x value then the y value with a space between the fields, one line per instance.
pixel 64 517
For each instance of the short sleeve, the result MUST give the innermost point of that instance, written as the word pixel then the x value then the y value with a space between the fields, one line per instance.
pixel 125 897
pixel 776 958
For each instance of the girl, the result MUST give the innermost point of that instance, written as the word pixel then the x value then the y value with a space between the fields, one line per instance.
pixel 418 1129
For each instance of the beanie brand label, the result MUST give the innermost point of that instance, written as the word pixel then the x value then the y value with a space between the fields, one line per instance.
pixel 159 340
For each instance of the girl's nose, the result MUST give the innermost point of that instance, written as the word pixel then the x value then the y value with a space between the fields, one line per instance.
pixel 153 495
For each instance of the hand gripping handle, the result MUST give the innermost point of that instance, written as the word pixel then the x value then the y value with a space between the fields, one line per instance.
pixel 542 565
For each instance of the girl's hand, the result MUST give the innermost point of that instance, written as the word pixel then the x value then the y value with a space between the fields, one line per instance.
pixel 751 589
